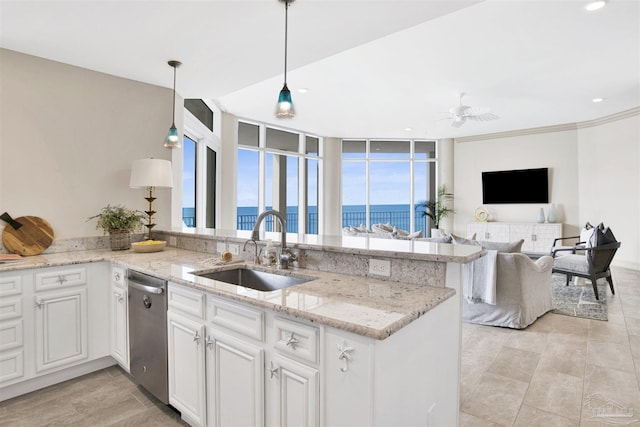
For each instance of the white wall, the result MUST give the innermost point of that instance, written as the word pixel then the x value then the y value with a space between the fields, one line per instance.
pixel 609 182
pixel 594 176
pixel 68 138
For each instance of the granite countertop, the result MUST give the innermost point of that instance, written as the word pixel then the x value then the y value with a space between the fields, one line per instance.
pixel 364 306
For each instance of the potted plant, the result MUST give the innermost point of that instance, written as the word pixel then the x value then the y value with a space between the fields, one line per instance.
pixel 119 222
pixel 437 209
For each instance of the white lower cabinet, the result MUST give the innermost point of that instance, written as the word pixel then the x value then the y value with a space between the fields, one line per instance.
pixel 119 318
pixel 187 367
pixel 61 328
pixel 538 238
pixel 293 397
pixel 235 381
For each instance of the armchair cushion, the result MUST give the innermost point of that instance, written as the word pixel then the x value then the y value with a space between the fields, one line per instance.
pixel 572 262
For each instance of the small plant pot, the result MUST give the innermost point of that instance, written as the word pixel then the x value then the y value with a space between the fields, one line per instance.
pixel 120 240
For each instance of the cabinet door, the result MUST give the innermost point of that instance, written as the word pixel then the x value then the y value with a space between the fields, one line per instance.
pixel 61 328
pixel 477 228
pixel 235 381
pixel 526 232
pixel 187 368
pixel 293 393
pixel 545 235
pixel 496 232
pixel 119 326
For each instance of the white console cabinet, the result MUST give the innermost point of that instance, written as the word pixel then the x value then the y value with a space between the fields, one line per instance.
pixel 538 238
pixel 119 317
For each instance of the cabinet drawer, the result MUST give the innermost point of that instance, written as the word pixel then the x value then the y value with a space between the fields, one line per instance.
pixel 10 285
pixel 296 339
pixel 11 365
pixel 118 276
pixel 189 301
pixel 61 278
pixel 10 308
pixel 244 320
pixel 10 334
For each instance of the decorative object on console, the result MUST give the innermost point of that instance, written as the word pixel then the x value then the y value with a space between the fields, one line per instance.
pixel 150 174
pixel 481 214
pixel 119 222
pixel 541 216
pixel 552 214
pixel 173 139
pixel 284 107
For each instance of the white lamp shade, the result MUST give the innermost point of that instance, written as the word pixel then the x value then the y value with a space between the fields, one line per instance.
pixel 151 173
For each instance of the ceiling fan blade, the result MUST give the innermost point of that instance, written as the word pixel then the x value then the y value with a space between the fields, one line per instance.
pixel 483 117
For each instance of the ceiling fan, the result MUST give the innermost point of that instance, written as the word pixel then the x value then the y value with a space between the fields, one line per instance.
pixel 462 113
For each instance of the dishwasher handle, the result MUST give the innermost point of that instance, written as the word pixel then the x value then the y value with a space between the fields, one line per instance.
pixel 142 287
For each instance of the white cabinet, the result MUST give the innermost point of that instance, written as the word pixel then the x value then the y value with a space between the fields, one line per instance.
pixel 187 367
pixel 119 318
pixel 53 319
pixel 235 381
pixel 538 238
pixel 11 328
pixel 61 328
pixel 293 397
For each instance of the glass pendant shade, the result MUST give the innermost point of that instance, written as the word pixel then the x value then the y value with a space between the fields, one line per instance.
pixel 284 108
pixel 173 139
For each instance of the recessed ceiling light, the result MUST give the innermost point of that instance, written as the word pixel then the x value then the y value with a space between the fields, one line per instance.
pixel 596 100
pixel 595 5
pixel 303 90
pixel 408 129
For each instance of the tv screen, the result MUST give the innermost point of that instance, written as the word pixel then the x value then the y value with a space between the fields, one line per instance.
pixel 515 186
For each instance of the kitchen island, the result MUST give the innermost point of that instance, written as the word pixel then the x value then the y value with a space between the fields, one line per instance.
pixel 379 350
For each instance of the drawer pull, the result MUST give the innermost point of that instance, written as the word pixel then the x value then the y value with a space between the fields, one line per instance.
pixel 292 341
pixel 61 279
pixel 273 371
pixel 344 353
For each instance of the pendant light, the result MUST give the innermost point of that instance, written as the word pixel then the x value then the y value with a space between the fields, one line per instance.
pixel 173 139
pixel 284 108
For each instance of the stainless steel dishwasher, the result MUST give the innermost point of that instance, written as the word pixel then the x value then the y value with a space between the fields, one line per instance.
pixel 148 333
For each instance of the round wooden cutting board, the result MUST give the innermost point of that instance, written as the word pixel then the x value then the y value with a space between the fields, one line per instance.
pixel 32 238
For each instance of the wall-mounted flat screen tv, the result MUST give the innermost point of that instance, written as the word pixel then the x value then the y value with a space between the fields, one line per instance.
pixel 515 186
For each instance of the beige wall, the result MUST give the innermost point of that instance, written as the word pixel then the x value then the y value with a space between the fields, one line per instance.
pixel 593 177
pixel 68 137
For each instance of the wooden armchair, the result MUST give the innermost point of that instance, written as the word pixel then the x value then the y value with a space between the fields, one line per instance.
pixel 593 265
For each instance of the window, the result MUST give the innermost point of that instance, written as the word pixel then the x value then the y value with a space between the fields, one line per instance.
pixel 277 169
pixel 385 181
pixel 189 182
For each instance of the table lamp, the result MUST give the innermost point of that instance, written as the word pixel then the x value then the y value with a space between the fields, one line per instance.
pixel 150 174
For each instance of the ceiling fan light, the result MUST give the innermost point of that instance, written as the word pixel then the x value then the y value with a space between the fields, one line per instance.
pixel 595 5
pixel 284 107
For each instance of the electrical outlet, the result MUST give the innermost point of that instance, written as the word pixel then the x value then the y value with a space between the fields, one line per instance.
pixel 379 267
pixel 234 249
pixel 173 240
pixel 221 247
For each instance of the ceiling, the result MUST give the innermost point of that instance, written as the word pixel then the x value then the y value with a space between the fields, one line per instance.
pixel 372 68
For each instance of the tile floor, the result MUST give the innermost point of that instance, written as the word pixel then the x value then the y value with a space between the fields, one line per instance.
pixel 557 372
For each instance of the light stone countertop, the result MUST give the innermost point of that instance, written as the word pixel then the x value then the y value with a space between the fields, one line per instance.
pixel 364 306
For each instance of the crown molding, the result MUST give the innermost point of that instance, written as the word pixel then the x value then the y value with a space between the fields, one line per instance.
pixel 555 128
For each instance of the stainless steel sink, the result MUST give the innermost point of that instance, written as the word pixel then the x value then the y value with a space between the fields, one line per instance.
pixel 255 279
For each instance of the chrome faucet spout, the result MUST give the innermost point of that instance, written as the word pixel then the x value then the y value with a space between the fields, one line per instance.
pixel 255 234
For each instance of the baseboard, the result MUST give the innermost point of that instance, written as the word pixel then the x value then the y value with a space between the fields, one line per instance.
pixel 53 378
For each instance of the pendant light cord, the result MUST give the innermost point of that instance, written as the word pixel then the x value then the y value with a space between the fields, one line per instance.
pixel 286 21
pixel 174 96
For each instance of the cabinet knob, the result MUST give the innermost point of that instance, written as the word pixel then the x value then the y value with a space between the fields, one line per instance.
pixel 197 338
pixel 116 276
pixel 61 279
pixel 292 341
pixel 273 371
pixel 38 303
pixel 344 353
pixel 208 342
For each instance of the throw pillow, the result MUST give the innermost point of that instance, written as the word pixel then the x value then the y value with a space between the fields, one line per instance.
pixel 445 239
pixel 509 247
pixel 415 235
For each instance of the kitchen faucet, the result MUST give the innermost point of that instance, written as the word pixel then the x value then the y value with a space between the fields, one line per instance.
pixel 285 254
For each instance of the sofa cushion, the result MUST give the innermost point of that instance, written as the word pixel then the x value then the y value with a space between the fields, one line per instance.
pixel 445 239
pixel 508 247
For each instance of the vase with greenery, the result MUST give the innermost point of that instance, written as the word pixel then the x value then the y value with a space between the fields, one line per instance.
pixel 119 222
pixel 438 208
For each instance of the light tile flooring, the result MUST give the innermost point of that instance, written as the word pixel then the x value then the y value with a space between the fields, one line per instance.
pixel 557 372
pixel 560 371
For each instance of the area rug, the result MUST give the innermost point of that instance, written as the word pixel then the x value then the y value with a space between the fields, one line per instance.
pixel 578 300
